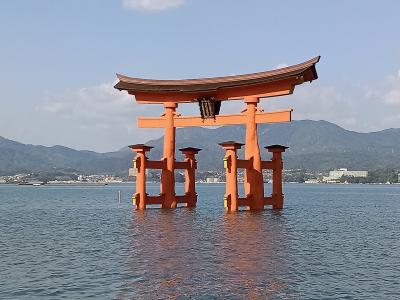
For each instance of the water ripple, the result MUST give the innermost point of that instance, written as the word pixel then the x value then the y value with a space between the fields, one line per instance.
pixel 330 242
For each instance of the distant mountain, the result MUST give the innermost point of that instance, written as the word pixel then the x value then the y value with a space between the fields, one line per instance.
pixel 21 158
pixel 313 145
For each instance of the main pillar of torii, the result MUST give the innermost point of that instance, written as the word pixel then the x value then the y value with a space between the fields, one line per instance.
pixel 210 93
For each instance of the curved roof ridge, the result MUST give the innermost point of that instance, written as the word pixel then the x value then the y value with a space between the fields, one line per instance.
pixel 232 78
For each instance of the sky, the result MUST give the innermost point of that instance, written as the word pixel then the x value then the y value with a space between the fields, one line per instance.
pixel 58 61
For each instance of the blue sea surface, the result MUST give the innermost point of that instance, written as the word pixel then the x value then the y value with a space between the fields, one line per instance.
pixel 79 242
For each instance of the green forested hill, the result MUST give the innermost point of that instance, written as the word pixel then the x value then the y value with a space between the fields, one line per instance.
pixel 21 158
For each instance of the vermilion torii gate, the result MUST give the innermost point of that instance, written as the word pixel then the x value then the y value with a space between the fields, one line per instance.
pixel 209 93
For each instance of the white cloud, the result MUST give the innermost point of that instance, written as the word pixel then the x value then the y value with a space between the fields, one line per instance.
pixel 152 5
pixel 387 93
pixel 98 117
pixel 392 95
pixel 314 102
pixel 95 103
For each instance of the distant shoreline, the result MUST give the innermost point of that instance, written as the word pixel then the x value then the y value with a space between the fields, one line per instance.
pixel 151 183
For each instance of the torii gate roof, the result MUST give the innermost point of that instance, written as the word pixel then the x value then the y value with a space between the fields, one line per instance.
pixel 262 84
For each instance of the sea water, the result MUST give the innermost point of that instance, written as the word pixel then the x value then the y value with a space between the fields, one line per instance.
pixel 81 242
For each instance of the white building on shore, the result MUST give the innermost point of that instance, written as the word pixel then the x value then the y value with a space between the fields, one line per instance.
pixel 212 180
pixel 334 176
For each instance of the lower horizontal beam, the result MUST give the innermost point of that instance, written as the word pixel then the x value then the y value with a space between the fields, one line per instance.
pixel 156 164
pixel 268 200
pixel 183 165
pixel 266 164
pixel 155 199
pixel 162 164
pixel 150 200
pixel 245 163
pixel 182 199
pixel 244 201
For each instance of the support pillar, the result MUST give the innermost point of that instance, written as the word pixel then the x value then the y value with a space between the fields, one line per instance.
pixel 230 163
pixel 190 181
pixel 167 174
pixel 139 163
pixel 277 166
pixel 254 183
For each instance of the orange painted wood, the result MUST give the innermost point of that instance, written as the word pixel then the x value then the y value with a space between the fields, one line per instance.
pixel 156 164
pixel 244 163
pixel 141 198
pixel 245 201
pixel 182 165
pixel 253 179
pixel 182 198
pixel 221 120
pixel 268 200
pixel 274 116
pixel 266 90
pixel 277 180
pixel 230 163
pixel 155 199
pixel 267 164
pixel 282 88
pixel 190 174
pixel 167 174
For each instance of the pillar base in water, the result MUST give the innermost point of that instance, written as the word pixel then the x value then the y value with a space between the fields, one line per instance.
pixel 232 202
pixel 142 164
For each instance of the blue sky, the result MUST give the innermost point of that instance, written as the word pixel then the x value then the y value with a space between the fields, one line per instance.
pixel 58 61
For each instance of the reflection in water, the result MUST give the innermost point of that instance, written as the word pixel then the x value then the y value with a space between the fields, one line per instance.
pixel 163 250
pixel 178 254
pixel 253 244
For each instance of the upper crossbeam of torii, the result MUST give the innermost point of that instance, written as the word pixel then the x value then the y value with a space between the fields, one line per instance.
pixel 209 93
